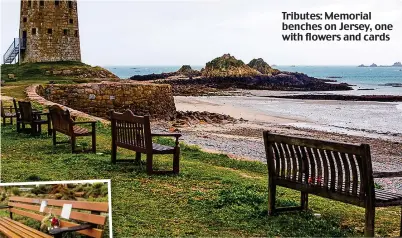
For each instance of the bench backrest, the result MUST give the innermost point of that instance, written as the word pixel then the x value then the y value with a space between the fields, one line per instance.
pixel 26 111
pixel 15 105
pixel 130 131
pixel 82 212
pixel 61 119
pixel 336 170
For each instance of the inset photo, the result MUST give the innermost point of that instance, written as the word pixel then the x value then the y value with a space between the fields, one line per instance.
pixel 56 209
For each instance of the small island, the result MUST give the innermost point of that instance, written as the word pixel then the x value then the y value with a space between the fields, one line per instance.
pixel 226 73
pixel 396 64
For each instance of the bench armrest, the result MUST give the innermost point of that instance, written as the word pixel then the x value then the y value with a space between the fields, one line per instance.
pixel 5 207
pixel 83 122
pixel 177 135
pixel 387 174
pixel 59 231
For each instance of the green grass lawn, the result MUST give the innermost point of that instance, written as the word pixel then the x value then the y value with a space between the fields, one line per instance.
pixel 213 195
pixel 35 73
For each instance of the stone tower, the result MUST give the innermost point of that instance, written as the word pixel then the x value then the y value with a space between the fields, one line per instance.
pixel 49 31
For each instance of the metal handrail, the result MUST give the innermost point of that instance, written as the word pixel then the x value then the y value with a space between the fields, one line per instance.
pixel 15 44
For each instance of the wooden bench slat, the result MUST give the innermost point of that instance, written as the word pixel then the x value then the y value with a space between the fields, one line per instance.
pixel 4 229
pixel 27 214
pixel 355 177
pixel 22 230
pixel 90 206
pixel 91 232
pixel 86 217
pixel 29 228
pixel 325 178
pixel 96 233
pixel 319 144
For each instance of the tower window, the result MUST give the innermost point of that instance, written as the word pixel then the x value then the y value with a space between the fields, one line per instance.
pixel 71 21
pixel 41 3
pixel 29 4
pixel 65 32
pixel 49 31
pixel 33 31
pixel 56 2
pixel 76 33
pixel 70 4
pixel 24 19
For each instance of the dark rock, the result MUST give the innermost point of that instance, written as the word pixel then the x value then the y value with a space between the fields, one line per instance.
pixel 261 66
pixel 186 70
pixel 191 117
pixel 378 98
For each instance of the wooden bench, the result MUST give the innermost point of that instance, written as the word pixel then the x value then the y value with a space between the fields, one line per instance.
pixel 18 114
pixel 33 118
pixel 62 122
pixel 134 133
pixel 7 112
pixel 337 171
pixel 87 217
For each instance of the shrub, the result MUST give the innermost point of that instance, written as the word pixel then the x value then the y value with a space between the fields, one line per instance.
pixel 16 191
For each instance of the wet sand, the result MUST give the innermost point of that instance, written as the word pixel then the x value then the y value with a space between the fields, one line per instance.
pixel 372 119
pixel 377 124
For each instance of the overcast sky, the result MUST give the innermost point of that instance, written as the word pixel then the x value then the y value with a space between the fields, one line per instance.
pixel 194 32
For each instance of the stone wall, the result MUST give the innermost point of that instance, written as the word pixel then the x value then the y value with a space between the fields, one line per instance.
pixel 50 30
pixel 98 99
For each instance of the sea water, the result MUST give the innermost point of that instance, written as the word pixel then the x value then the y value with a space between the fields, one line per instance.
pixel 366 80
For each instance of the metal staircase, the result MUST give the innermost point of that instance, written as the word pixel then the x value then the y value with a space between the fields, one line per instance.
pixel 13 51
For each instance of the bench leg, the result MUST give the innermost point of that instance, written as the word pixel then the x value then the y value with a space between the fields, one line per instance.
pixel 271 198
pixel 149 164
pixel 369 225
pixel 114 152
pixel 18 126
pixel 93 142
pixel 4 121
pixel 11 120
pixel 304 200
pixel 176 161
pixel 39 128
pixel 54 138
pixel 137 158
pixel 73 142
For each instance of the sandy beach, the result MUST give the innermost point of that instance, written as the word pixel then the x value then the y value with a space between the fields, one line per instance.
pixel 353 122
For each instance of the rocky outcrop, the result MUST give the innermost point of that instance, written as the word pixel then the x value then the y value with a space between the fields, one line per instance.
pixel 228 66
pixel 194 117
pixel 373 65
pixel 187 71
pixel 285 81
pixel 226 73
pixel 152 76
pixel 184 71
pixel 397 64
pixel 261 66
